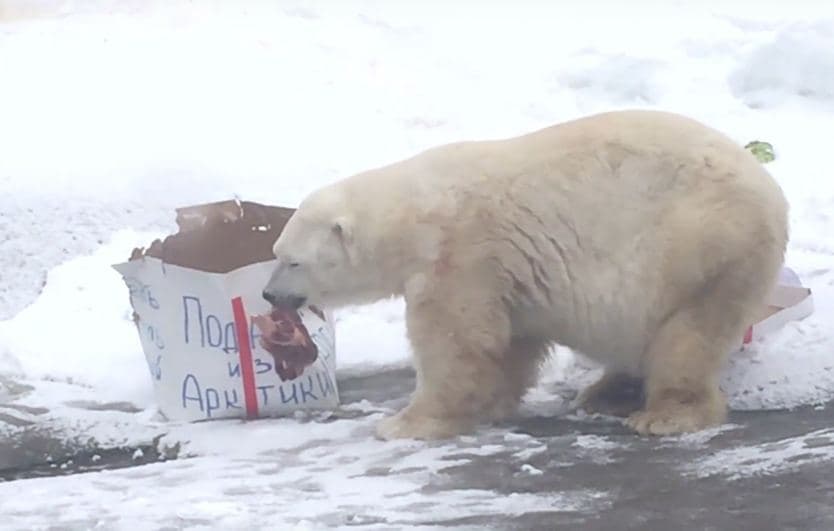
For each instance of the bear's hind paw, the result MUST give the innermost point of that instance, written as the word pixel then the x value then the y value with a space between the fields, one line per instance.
pixel 673 420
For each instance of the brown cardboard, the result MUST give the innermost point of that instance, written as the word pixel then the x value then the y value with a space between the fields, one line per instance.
pixel 220 237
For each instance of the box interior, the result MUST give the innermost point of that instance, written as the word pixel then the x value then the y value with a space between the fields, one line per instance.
pixel 220 237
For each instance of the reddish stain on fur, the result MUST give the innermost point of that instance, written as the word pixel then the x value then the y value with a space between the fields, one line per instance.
pixel 443 264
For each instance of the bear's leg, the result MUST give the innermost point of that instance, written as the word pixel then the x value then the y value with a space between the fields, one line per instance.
pixel 682 393
pixel 521 371
pixel 616 394
pixel 460 337
pixel 683 362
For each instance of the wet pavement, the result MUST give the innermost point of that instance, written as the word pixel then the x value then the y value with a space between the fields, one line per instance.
pixel 763 470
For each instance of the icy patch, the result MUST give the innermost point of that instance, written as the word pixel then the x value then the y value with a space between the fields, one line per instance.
pixel 531 470
pixel 532 451
pixel 597 449
pixel 767 459
pixel 698 439
pixel 595 442
pixel 523 446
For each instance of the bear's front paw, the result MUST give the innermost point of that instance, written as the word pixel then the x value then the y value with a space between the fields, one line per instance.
pixel 407 425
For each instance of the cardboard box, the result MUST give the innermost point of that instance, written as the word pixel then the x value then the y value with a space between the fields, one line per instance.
pixel 193 296
pixel 789 301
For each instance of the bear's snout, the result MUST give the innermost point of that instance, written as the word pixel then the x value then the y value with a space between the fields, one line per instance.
pixel 283 301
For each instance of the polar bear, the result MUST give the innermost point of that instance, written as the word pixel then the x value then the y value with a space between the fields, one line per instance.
pixel 644 240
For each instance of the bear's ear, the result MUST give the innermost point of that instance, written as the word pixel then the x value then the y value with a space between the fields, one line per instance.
pixel 341 228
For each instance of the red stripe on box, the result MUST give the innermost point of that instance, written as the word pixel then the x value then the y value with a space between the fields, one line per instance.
pixel 247 371
pixel 748 335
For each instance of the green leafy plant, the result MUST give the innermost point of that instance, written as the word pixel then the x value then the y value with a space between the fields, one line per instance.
pixel 763 151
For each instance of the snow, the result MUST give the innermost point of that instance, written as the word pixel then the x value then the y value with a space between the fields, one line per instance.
pixel 77 317
pixel 113 113
pixel 767 458
pixel 788 66
pixel 253 493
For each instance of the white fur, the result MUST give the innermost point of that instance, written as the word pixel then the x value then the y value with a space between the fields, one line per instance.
pixel 642 239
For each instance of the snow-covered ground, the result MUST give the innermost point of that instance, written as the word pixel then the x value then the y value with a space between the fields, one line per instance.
pixel 113 113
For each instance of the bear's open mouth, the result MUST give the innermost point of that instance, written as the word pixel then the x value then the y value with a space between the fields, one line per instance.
pixel 292 301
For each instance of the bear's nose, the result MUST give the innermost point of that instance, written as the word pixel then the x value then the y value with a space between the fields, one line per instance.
pixel 270 297
pixel 292 301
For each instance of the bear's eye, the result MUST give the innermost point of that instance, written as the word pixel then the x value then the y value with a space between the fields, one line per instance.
pixel 293 265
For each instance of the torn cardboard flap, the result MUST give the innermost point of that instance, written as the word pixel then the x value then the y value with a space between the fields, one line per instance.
pixel 789 301
pixel 783 297
pixel 220 237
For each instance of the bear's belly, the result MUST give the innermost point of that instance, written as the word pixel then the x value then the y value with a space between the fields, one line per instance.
pixel 613 335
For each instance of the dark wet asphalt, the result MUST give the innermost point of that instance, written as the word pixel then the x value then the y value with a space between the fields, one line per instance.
pixel 643 482
pixel 647 489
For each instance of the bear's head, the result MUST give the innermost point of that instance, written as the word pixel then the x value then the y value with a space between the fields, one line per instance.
pixel 321 257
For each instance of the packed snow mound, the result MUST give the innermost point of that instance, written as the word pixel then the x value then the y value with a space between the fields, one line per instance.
pixel 623 80
pixel 798 61
pixel 80 329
